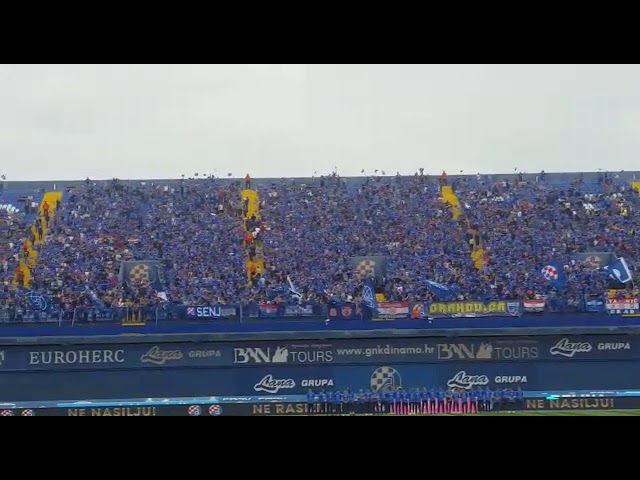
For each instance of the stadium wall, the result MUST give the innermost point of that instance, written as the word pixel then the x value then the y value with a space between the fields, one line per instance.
pixel 143 370
pixel 292 326
pixel 208 382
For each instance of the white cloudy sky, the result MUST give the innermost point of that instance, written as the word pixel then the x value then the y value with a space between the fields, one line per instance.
pixel 160 121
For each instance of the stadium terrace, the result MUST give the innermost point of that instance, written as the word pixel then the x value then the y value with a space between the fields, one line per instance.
pixel 425 246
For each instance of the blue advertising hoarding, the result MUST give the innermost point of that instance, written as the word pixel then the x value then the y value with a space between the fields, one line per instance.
pixel 454 375
pixel 108 384
pixel 438 350
pixel 205 382
pixel 113 356
pixel 236 312
pixel 434 350
pixel 426 350
pixel 543 376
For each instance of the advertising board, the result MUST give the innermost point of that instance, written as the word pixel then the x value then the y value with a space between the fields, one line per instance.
pixel 392 311
pixel 289 408
pixel 283 381
pixel 113 356
pixel 568 404
pixel 207 382
pixel 318 353
pixel 470 309
pixel 623 306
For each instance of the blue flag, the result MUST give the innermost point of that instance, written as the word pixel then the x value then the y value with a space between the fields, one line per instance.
pixel 94 297
pixel 442 292
pixel 487 298
pixel 369 296
pixel 619 270
pixel 38 302
pixel 555 274
pixel 293 291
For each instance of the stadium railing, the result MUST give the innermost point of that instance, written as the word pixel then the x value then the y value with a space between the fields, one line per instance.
pixel 238 314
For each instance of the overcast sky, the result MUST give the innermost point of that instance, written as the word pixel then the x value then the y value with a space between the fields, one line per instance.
pixel 160 121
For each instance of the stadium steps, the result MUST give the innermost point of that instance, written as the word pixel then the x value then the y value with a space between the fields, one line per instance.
pixel 52 198
pixel 479 254
pixel 258 262
pixel 254 203
pixel 450 198
pixel 253 210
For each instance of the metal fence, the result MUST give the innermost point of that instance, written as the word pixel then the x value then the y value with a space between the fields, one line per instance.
pixel 133 316
pixel 126 316
pixel 238 314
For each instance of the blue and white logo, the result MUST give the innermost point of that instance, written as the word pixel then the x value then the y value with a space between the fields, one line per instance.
pixel 513 309
pixel 295 293
pixel 619 270
pixel 37 301
pixel 368 296
pixel 385 379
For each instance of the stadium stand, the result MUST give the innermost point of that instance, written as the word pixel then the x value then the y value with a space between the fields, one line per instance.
pixel 476 237
pixel 18 209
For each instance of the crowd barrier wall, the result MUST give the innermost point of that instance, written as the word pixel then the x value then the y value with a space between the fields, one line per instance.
pixel 86 322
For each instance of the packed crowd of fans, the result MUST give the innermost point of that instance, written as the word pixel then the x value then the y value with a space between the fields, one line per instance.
pixel 526 226
pixel 310 231
pixel 15 230
pixel 194 229
pixel 12 229
pixel 521 226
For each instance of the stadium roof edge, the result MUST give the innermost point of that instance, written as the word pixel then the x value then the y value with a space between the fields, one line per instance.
pixel 35 184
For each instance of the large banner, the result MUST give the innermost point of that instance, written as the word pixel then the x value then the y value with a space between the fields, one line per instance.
pixel 300 311
pixel 236 312
pixel 212 312
pixel 38 302
pixel 623 306
pixel 365 267
pixel 346 311
pixel 595 304
pixel 596 260
pixel 268 310
pixel 134 272
pixel 392 311
pixel 465 309
pixel 534 305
